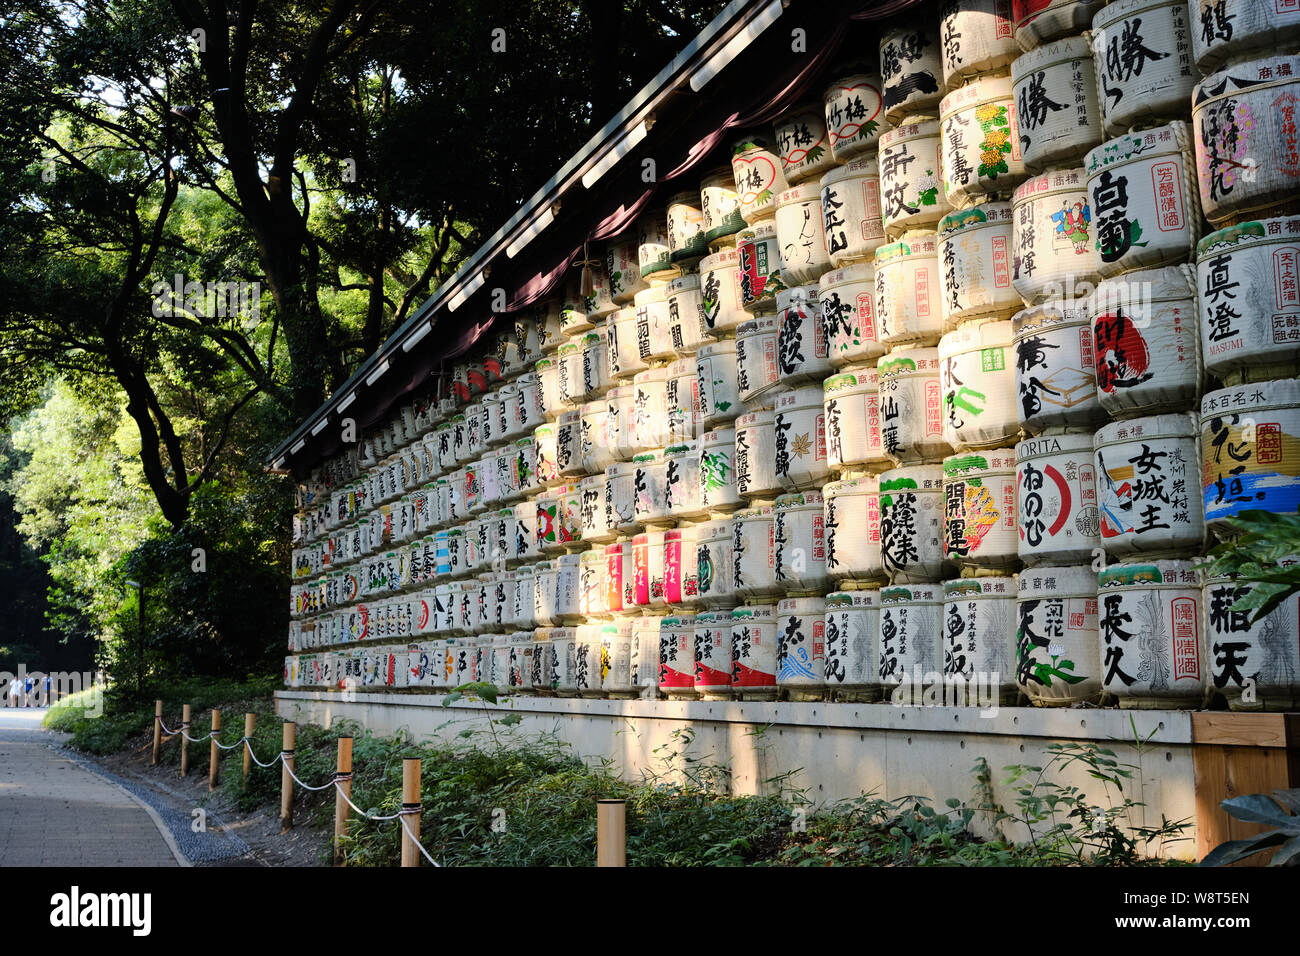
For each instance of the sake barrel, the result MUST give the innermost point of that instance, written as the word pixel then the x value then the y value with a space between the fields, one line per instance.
pixel 1141 49
pixel 799 543
pixel 563 641
pixel 908 294
pixel 544 595
pixel 620 497
pixel 621 405
pixel 757 371
pixel 595 442
pixel 717 471
pixel 593 516
pixel 975 264
pixel 654 252
pixel 622 347
pixel 759 177
pixel 1254 665
pixel 847 299
pixel 852 529
pixel 616 657
pixel 1224 30
pixel 1248 281
pixel 1250 450
pixel 685 314
pixel 803 143
pixel 911 68
pixel 801 648
pixel 801 347
pixel 682 481
pixel 760 268
pixel 547 318
pixel 623 269
pixel 588 673
pixel 981 142
pixel 1148 505
pixel 648 569
pixel 799 431
pixel 619 586
pixel 654 340
pixel 527 547
pixel 979 632
pixel 754 457
pixel 550 395
pixel 911 523
pixel 753 557
pixel 911 187
pixel 682 401
pixel 1056 377
pixel 721 304
pixel 1146 341
pixel 568 445
pixel 714 563
pixel 568 577
pixel 591 583
pixel 1057 654
pixel 720 204
pixel 545 663
pixel 544 442
pixel 681 570
pixel 716 373
pixel 573 311
pixel 523 612
pixel 911 406
pixel 979 384
pixel 979 491
pixel 596 379
pixel 518 420
pixel 507 473
pixel 754 646
pixel 601 302
pixel 677 656
pixel 853 645
pixel 854 108
pixel 1057 112
pixel 1144 199
pixel 1152 645
pixel 977 37
pixel 853 425
pixel 650 409
pixel 645 655
pixel 528 347
pixel 686 239
pixel 800 234
pixel 1038 21
pixel 713 654
pixel 650 488
pixel 911 640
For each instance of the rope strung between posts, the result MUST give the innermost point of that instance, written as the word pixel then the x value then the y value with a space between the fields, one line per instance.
pixel 418 845
pixel 277 759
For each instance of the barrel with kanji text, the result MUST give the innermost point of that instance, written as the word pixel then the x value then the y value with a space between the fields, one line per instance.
pixel 650 488
pixel 654 249
pixel 981 142
pixel 622 351
pixel 1250 450
pixel 654 339
pixel 979 491
pixel 979 633
pixel 978 36
pixel 754 648
pixel 851 216
pixel 911 524
pixel 681 566
pixel 1056 372
pixel 975 254
pixel 847 298
pixel 721 303
pixel 800 234
pixel 852 527
pixel 685 314
pixel 596 380
pixel 1142 49
pixel 717 471
pixel 713 654
pixel 801 648
pixel 650 426
pixel 853 422
pixel 911 406
pixel 908 291
pixel 911 641
pixel 677 656
pixel 1225 30
pixel 853 645
pixel 757 368
pixel 682 401
pixel 622 269
pixel 979 384
pixel 620 497
pixel 713 562
pixel 759 177
pixel 1040 21
pixel 588 674
pixel 799 432
pixel 648 570
pixel 755 455
pixel 911 186
pixel 682 481
pixel 854 110
pixel 686 233
pixel 1057 110
pixel 911 68
pixel 720 204
pixel 616 657
pixel 803 143
pixel 799 543
pixel 1057 655
pixel 716 373
pixel 645 655
pixel 1254 664
pixel 753 553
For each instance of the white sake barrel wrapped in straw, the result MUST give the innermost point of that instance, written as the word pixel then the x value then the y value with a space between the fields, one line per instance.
pixel 755 455
pixel 803 144
pixel 981 142
pixel 754 646
pixel 847 298
pixel 799 542
pixel 753 552
pixel 715 369
pixel 1224 30
pixel 1142 50
pixel 717 471
pixel 911 68
pixel 682 480
pixel 979 491
pixel 1143 195
pixel 975 254
pixel 648 569
pixel 654 251
pixel 1040 21
pixel 544 441
pixel 563 647
pixel 800 436
pixel 911 406
pixel 685 314
pixel 713 654
pixel 685 224
pixel 800 234
pixel 714 564
pixel 908 291
pixel 757 370
pixel 760 268
pixel 978 377
pixel 801 346
pixel 1057 111
pixel 528 410
pixel 645 656
pixel 619 578
pixel 620 497
pixel 650 488
pixel 911 523
pixel 588 674
pixel 854 107
pixel 1146 476
pixel 721 305
pixel 596 379
pixel 623 269
pixel 911 186
pixel 620 421
pixel 1057 656
pixel 978 36
pixel 622 350
pixel 550 395
pixel 526 545
pixel 759 177
pixel 653 339
pixel 549 335
pixel 616 657
pixel 853 645
pixel 1251 664
pixel 911 640
pixel 1248 280
pixel 1153 651
pixel 853 423
pixel 601 302
pixel 595 441
pixel 1250 450
pixel 720 204
pixel 681 566
pixel 851 218
pixel 1056 368
pixel 801 648
pixel 650 409
pixel 594 515
pixel 677 656
pixel 568 445
pixel 979 641
pixel 852 522
pixel 573 310
pixel 1146 340
pixel 682 401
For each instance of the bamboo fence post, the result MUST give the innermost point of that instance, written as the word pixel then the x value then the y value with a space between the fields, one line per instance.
pixel 185 743
pixel 250 721
pixel 411 801
pixel 214 752
pixel 286 778
pixel 611 833
pixel 342 791
pixel 157 730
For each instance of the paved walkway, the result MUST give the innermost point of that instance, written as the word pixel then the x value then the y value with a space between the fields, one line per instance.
pixel 54 812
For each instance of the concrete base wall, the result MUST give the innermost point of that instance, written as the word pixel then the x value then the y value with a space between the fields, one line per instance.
pixel 830 751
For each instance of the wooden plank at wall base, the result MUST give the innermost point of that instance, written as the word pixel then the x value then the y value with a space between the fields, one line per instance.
pixel 1234 754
